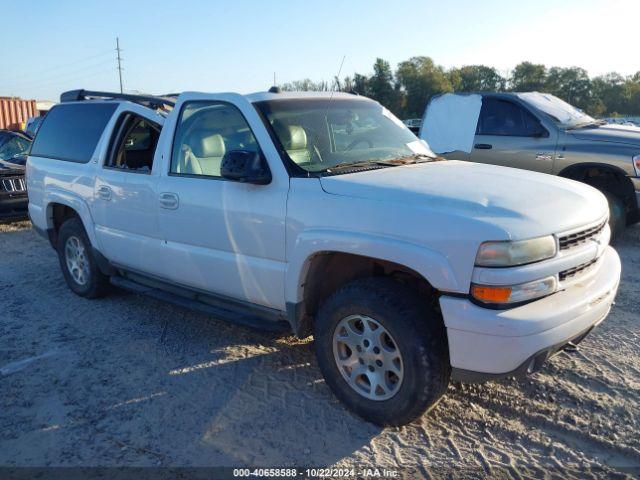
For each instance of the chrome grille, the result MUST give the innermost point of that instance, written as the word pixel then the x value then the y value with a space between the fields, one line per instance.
pixel 572 272
pixel 13 184
pixel 583 236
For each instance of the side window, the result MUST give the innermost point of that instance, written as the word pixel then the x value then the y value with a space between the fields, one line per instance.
pixel 501 117
pixel 14 147
pixel 71 131
pixel 133 145
pixel 206 131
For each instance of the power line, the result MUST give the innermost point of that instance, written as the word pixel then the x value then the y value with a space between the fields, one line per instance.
pixel 57 67
pixel 118 50
pixel 72 82
pixel 48 78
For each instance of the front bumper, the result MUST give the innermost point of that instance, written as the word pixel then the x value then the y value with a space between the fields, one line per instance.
pixel 13 206
pixel 486 344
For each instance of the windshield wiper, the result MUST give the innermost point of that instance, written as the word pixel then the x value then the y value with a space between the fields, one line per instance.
pixel 413 158
pixel 363 164
pixel 594 123
pixel 391 162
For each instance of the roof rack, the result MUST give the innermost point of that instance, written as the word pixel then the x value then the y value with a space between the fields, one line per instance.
pixel 150 101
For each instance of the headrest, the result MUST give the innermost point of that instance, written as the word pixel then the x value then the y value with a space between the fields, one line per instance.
pixel 293 137
pixel 204 146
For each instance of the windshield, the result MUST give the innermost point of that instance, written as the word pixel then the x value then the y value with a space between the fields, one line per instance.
pixel 319 134
pixel 14 148
pixel 561 112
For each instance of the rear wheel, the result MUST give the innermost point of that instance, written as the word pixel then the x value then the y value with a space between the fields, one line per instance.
pixel 78 265
pixel 382 351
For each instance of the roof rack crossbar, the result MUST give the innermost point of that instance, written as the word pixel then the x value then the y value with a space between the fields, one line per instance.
pixel 146 100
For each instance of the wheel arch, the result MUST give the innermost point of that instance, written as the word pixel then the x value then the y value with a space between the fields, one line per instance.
pixel 63 205
pixel 314 273
pixel 606 178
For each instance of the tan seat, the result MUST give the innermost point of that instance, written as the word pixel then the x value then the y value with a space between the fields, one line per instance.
pixel 188 163
pixel 202 154
pixel 208 150
pixel 294 141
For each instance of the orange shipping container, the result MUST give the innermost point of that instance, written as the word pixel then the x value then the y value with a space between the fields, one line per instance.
pixel 14 112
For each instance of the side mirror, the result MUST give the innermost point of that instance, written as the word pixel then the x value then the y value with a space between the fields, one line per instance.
pixel 245 166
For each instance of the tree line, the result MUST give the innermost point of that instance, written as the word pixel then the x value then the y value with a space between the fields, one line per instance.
pixel 407 91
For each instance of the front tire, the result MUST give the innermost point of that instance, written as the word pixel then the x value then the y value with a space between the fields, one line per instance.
pixel 382 351
pixel 617 217
pixel 79 267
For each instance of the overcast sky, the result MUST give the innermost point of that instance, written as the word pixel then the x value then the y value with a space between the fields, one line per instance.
pixel 52 46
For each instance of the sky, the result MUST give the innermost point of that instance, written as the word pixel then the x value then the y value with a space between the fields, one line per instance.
pixel 48 47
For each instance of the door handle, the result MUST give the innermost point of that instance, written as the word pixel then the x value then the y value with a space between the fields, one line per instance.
pixel 169 200
pixel 104 192
pixel 483 146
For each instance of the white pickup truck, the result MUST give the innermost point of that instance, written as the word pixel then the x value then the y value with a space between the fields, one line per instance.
pixel 324 214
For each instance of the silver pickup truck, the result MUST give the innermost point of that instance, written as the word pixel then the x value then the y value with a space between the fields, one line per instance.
pixel 540 132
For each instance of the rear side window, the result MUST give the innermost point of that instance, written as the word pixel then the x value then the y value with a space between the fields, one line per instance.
pixel 71 132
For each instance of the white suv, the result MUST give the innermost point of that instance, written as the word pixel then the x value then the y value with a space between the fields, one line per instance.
pixel 324 214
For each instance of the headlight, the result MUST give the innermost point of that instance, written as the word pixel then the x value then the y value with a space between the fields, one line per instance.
pixel 508 294
pixel 636 164
pixel 510 254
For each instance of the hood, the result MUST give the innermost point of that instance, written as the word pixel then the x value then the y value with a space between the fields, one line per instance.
pixel 609 133
pixel 11 168
pixel 520 203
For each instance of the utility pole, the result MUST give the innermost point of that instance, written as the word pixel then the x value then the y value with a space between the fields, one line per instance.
pixel 118 50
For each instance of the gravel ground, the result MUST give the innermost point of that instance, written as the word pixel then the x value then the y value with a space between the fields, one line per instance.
pixel 126 380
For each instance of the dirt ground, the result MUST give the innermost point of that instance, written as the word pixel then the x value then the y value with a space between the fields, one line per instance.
pixel 126 380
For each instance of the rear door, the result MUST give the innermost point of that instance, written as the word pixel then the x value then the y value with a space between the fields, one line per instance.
pixel 125 194
pixel 221 236
pixel 509 135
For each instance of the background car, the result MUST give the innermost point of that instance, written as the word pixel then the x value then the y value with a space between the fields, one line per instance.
pixel 413 124
pixel 14 148
pixel 540 132
pixel 32 126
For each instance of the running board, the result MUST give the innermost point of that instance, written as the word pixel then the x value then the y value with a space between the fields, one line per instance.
pixel 254 316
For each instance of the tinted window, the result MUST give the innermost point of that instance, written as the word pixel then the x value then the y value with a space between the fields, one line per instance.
pixel 500 117
pixel 71 132
pixel 206 131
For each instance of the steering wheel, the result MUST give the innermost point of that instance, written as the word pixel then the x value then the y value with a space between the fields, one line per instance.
pixel 357 141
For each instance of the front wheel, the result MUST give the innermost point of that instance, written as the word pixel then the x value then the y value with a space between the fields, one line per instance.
pixel 382 351
pixel 78 266
pixel 617 217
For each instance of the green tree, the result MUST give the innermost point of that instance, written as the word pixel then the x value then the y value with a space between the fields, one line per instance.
pixel 632 93
pixel 573 86
pixel 476 78
pixel 361 84
pixel 528 77
pixel 381 85
pixel 611 90
pixel 305 85
pixel 420 79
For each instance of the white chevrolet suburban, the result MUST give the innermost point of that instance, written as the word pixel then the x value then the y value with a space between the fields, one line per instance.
pixel 324 214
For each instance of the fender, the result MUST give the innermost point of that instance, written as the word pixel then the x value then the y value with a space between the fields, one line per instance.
pixel 432 265
pixel 71 200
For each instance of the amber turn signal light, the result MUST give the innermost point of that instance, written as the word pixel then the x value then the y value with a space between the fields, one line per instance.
pixel 491 294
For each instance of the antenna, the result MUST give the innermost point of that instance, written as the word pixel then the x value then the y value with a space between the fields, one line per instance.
pixel 118 50
pixel 274 79
pixel 335 84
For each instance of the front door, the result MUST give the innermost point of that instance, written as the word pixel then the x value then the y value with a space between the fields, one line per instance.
pixel 509 135
pixel 222 236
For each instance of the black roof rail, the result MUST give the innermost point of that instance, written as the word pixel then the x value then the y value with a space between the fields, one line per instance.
pixel 150 101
